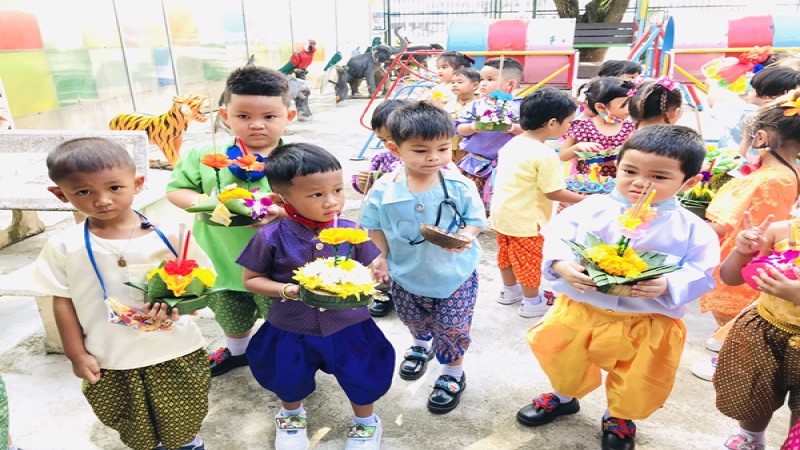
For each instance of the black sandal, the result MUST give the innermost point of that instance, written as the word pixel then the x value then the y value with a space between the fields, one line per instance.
pixel 415 361
pixel 446 394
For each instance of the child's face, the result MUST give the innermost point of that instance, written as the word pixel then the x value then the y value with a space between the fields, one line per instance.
pixel 636 168
pixel 490 82
pixel 629 76
pixel 424 157
pixel 105 195
pixel 383 135
pixel 617 107
pixel 258 120
pixel 317 196
pixel 445 71
pixel 463 87
pixel 556 129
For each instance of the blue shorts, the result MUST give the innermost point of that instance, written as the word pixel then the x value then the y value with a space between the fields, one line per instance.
pixel 359 356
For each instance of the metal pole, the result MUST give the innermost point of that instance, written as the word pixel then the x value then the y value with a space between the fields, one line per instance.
pixel 336 22
pixel 291 25
pixel 535 7
pixel 246 39
pixel 169 48
pixel 124 55
pixel 387 14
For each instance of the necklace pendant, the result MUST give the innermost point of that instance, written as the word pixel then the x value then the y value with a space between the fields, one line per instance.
pixel 121 261
pixel 420 207
pixel 319 246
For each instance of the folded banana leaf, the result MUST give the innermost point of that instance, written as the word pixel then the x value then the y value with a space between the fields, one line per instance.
pixel 196 295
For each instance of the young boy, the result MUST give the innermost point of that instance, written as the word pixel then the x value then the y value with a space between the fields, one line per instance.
pixel 638 340
pixel 298 340
pixel 528 179
pixel 433 289
pixel 256 108
pixel 150 386
pixel 482 146
pixel 464 86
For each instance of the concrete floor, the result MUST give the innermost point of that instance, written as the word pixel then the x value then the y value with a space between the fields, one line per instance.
pixel 48 411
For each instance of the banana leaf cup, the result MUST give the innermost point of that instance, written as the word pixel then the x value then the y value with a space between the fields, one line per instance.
pixel 325 300
pixel 209 211
pixel 620 286
pixel 492 126
pixel 194 297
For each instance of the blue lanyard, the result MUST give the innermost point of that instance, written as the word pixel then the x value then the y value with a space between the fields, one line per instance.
pixel 88 243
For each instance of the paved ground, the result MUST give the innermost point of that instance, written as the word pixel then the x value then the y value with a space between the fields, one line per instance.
pixel 48 411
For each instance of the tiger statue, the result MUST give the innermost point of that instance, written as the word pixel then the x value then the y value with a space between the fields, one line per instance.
pixel 166 131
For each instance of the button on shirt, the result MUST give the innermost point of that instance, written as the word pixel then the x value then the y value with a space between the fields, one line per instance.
pixel 277 250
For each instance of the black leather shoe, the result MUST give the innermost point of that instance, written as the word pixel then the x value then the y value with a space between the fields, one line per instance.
pixel 446 394
pixel 415 361
pixel 222 361
pixel 544 409
pixel 381 305
pixel 618 434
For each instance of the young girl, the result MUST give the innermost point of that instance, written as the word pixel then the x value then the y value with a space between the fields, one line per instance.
pixel 608 99
pixel 434 289
pixel 446 64
pixel 769 190
pixel 758 365
pixel 656 102
pixel 465 84
pixel 621 68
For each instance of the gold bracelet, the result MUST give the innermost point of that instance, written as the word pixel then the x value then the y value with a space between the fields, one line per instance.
pixel 283 294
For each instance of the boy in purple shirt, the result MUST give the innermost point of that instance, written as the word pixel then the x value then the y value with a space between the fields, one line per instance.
pixel 298 339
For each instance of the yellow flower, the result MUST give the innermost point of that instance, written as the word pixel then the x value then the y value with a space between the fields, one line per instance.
pixel 156 271
pixel 606 258
pixel 176 283
pixel 206 276
pixel 233 193
pixel 336 236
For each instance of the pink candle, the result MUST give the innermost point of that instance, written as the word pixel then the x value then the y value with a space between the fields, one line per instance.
pixel 336 221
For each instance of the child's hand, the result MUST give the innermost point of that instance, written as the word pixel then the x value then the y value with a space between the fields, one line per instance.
pixel 572 273
pixel 650 288
pixel 274 212
pixel 588 147
pixel 362 180
pixel 466 246
pixel 380 269
pixel 752 239
pixel 158 311
pixel 87 368
pixel 773 282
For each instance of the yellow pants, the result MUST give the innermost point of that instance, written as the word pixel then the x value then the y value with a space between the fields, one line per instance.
pixel 640 352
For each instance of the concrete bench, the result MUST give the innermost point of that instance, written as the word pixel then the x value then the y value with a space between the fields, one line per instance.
pixel 22 155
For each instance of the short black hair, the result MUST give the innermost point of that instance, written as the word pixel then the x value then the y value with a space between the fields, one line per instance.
pixel 775 81
pixel 653 99
pixel 673 141
pixel 472 74
pixel 544 104
pixel 257 80
pixel 419 120
pixel 296 160
pixel 512 69
pixel 87 155
pixel 381 113
pixel 604 89
pixel 456 60
pixel 617 67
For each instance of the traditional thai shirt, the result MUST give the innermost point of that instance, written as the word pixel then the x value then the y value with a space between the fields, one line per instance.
pixel 424 269
pixel 223 244
pixel 63 269
pixel 686 240
pixel 280 248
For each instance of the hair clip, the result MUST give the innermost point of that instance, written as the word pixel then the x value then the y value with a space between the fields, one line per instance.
pixel 667 82
pixel 632 92
pixel 791 101
pixel 469 58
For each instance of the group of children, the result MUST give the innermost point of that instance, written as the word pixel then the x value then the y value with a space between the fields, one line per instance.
pixel 152 387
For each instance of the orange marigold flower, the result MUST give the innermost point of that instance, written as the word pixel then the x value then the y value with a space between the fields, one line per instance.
pixel 216 161
pixel 250 163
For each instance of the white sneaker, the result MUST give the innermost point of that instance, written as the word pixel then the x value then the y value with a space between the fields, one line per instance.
pixel 528 310
pixel 742 442
pixel 510 300
pixel 705 369
pixel 364 437
pixel 290 432
pixel 713 344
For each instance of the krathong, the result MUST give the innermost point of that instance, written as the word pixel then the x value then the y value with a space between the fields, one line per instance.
pixel 337 282
pixel 614 268
pixel 498 116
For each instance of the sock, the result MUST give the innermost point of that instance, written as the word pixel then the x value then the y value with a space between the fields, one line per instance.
pixel 562 398
pixel 755 437
pixel 454 371
pixel 371 420
pixel 237 346
pixel 512 291
pixel 292 412
pixel 533 301
pixel 424 344
pixel 195 443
